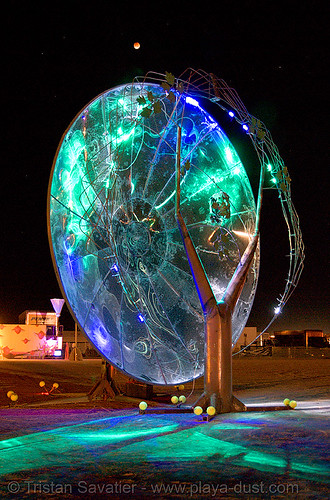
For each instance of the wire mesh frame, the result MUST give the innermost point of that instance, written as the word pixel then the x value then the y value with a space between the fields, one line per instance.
pixel 198 83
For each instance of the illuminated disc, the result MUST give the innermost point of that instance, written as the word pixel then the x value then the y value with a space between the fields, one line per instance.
pixel 116 246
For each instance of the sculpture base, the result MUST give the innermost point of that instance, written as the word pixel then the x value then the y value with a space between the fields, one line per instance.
pixel 106 387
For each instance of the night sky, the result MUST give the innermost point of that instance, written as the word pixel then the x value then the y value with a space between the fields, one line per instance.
pixel 57 56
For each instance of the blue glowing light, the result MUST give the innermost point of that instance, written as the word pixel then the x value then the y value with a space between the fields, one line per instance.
pixel 245 127
pixel 231 114
pixel 141 318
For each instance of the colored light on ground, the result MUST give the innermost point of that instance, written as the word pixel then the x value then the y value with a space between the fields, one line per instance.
pixel 174 400
pixel 14 397
pixel 293 404
pixel 42 383
pixel 55 385
pixel 198 410
pixel 286 401
pixel 182 399
pixel 234 426
pixel 116 436
pixel 143 405
pixel 91 436
pixel 10 393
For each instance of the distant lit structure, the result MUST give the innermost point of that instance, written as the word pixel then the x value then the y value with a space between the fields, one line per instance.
pixel 38 318
pixel 300 338
pixel 49 321
pixel 57 306
pixel 23 340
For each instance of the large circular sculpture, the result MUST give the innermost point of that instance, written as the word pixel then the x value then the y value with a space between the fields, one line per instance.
pixel 116 246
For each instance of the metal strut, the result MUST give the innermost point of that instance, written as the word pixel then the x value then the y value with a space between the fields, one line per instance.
pixel 217 315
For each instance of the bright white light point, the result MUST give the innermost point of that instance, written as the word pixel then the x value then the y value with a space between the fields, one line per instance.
pixel 100 339
pixel 277 310
pixel 229 155
pixel 243 234
pixel 192 101
pixel 269 167
pixel 236 171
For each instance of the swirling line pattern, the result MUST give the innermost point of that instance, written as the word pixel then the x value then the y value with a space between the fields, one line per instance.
pixel 115 241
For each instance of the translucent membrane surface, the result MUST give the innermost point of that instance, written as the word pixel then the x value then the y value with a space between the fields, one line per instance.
pixel 115 242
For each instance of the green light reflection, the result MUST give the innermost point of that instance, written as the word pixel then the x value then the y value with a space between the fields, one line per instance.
pixel 133 439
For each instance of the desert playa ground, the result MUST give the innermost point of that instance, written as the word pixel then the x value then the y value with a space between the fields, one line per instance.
pixel 63 445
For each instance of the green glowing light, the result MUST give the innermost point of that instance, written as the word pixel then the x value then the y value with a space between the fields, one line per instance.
pixel 131 439
pixel 123 137
pixel 196 444
pixel 116 436
pixel 227 427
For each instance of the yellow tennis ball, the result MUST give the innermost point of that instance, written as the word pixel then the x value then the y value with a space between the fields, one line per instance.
pixel 198 410
pixel 14 397
pixel 293 404
pixel 55 385
pixel 143 405
pixel 182 399
pixel 10 393
pixel 210 411
pixel 174 400
pixel 42 383
pixel 286 401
